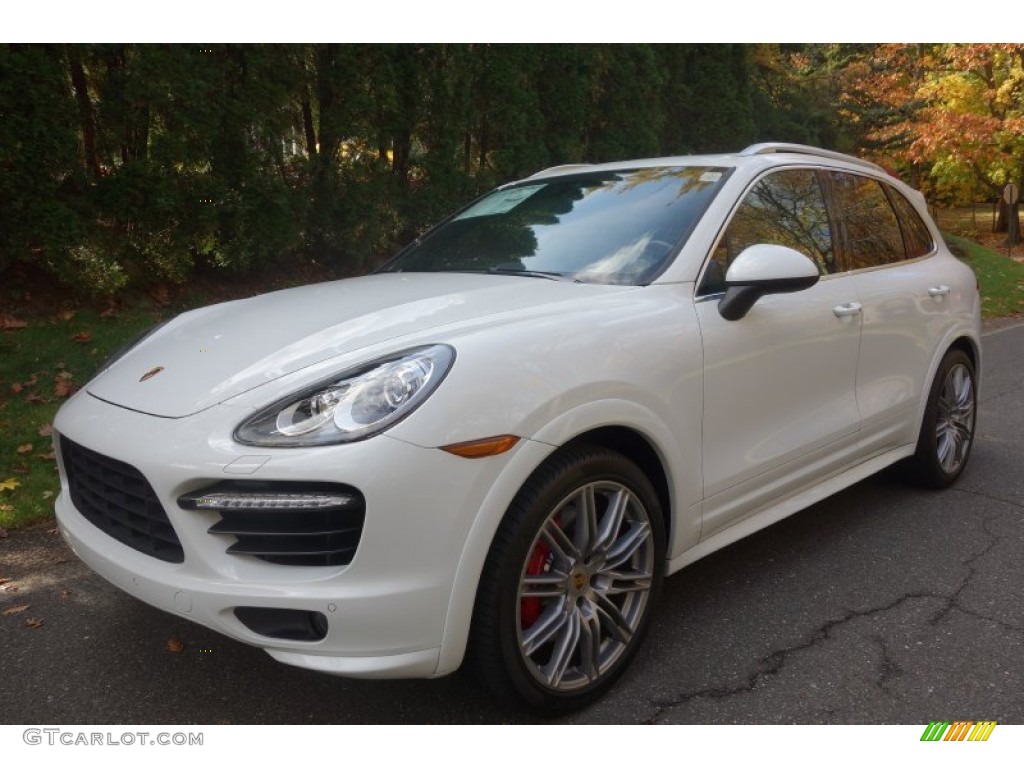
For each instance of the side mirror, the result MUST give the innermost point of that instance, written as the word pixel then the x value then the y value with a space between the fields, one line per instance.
pixel 761 270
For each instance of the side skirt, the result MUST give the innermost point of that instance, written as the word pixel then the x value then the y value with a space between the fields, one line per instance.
pixel 788 506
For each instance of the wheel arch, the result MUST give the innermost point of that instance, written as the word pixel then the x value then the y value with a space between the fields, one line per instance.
pixel 619 425
pixel 963 339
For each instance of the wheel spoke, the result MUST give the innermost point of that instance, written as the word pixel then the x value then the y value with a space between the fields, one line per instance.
pixel 560 544
pixel 611 523
pixel 551 584
pixel 945 449
pixel 565 647
pixel 585 529
pixel 590 641
pixel 619 583
pixel 550 623
pixel 628 544
pixel 612 619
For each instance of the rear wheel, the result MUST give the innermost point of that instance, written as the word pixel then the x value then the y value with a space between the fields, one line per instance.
pixel 569 583
pixel 947 431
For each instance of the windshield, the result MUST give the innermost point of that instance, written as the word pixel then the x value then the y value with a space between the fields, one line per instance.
pixel 618 227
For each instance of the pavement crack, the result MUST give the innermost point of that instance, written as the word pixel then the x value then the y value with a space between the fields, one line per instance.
pixel 952 601
pixel 773 663
pixel 989 496
pixel 888 668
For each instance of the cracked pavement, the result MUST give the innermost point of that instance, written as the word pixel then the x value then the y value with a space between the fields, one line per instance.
pixel 883 604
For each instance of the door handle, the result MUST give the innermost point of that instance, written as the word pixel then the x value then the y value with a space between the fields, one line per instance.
pixel 848 309
pixel 938 291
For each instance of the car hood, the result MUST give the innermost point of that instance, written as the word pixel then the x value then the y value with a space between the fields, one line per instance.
pixel 209 355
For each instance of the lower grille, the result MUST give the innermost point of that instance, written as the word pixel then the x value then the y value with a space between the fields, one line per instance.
pixel 117 499
pixel 286 523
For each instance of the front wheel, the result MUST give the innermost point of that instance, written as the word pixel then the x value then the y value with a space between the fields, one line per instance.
pixel 569 583
pixel 947 432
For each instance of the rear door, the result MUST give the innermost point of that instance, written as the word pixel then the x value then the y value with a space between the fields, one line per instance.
pixel 905 301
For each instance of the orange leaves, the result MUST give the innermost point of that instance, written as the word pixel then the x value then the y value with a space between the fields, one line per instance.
pixel 24 449
pixel 174 645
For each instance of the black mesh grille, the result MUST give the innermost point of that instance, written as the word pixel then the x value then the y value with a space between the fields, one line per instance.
pixel 290 536
pixel 118 500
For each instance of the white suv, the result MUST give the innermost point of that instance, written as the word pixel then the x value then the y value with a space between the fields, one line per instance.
pixel 499 444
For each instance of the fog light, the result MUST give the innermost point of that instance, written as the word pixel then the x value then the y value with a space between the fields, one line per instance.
pixel 239 501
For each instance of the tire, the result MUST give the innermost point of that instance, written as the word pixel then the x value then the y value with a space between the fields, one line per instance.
pixel 565 598
pixel 947 431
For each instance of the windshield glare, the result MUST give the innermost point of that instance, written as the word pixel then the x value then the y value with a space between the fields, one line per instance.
pixel 617 227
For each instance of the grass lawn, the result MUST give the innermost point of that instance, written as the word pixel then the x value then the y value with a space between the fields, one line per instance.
pixel 46 352
pixel 41 365
pixel 1001 278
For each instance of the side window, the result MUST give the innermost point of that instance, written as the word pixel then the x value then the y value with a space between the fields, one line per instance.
pixel 784 208
pixel 872 236
pixel 916 235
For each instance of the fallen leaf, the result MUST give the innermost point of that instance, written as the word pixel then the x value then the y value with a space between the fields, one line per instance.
pixel 4 581
pixel 82 338
pixel 34 398
pixel 10 588
pixel 62 386
pixel 46 430
pixel 16 609
pixel 6 508
pixel 21 468
pixel 108 313
pixel 32 380
pixel 15 388
pixel 174 645
pixel 49 456
pixel 64 593
pixel 34 623
pixel 9 484
pixel 66 315
pixel 10 324
pixel 47 494
pixel 53 531
pixel 26 448
pixel 60 561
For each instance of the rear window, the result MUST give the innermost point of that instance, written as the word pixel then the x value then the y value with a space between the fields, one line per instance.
pixel 916 235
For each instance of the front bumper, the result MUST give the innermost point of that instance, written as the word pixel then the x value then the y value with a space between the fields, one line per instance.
pixel 386 610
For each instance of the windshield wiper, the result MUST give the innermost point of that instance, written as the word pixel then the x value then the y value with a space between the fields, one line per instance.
pixel 528 273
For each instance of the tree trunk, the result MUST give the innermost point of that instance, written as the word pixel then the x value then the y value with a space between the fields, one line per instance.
pixel 307 124
pixel 86 116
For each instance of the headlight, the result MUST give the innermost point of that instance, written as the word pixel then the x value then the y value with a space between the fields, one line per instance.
pixel 352 406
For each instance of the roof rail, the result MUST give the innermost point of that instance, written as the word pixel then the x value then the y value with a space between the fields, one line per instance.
pixel 773 147
pixel 556 169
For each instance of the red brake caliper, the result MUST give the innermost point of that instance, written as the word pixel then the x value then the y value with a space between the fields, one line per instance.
pixel 530 607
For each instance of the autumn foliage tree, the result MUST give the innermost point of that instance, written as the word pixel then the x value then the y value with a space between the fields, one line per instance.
pixel 951 115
